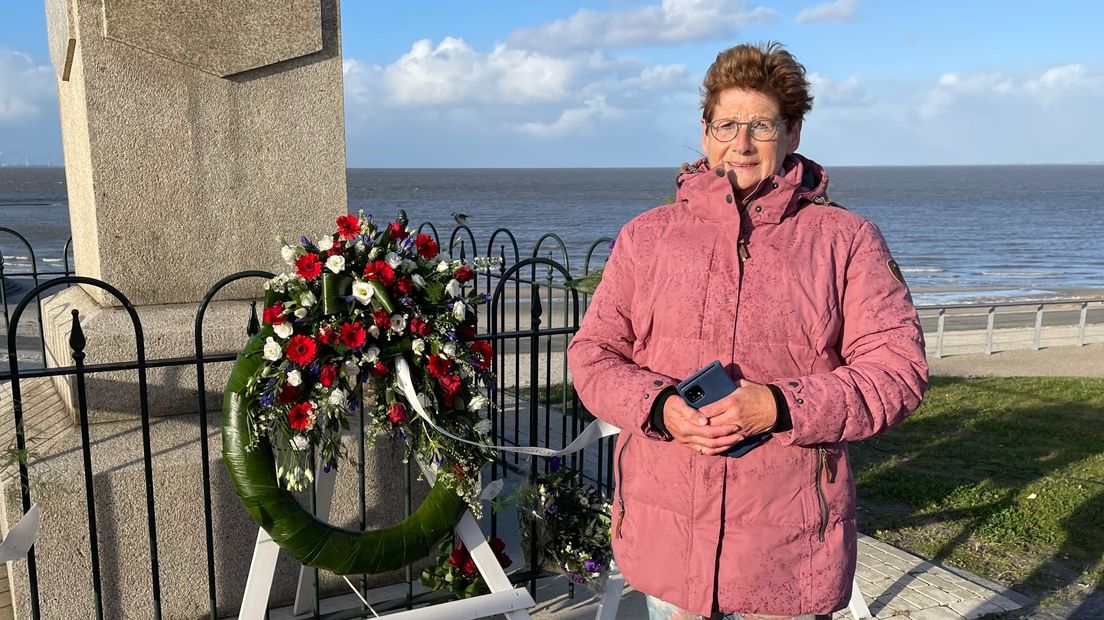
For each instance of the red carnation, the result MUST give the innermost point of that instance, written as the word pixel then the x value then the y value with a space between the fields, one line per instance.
pixel 498 547
pixel 326 335
pixel 398 231
pixel 462 561
pixel 300 417
pixel 301 349
pixel 289 393
pixel 273 314
pixel 381 271
pixel 427 247
pixel 451 386
pixel 352 335
pixel 418 327
pixel 464 274
pixel 335 250
pixel 485 351
pixel 405 285
pixel 466 333
pixel 396 413
pixel 348 226
pixel 380 369
pixel 308 266
pixel 328 375
pixel 438 366
pixel 381 318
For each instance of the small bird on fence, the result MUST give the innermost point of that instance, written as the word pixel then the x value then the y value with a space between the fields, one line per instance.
pixel 460 218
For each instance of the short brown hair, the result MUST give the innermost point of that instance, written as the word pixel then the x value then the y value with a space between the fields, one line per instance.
pixel 766 68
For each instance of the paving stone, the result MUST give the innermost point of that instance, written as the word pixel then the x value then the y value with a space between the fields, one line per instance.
pixel 937 594
pixel 935 613
pixel 870 574
pixel 975 609
pixel 1004 603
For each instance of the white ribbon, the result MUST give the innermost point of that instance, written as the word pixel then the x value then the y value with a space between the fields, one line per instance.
pixel 593 432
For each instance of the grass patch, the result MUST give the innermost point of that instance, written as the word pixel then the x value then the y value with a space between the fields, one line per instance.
pixel 1003 477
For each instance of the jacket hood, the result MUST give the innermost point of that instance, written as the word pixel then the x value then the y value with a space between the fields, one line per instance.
pixel 706 190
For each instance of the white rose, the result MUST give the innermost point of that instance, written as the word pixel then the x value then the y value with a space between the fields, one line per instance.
pixel 272 350
pixel 307 299
pixel 351 371
pixel 335 263
pixel 362 292
pixel 459 310
pixel 373 331
pixel 325 243
pixel 392 259
pixel 288 254
pixel 371 355
pixel 283 330
pixel 418 280
pixel 449 349
pixel 443 266
pixel 483 426
pixel 418 346
pixel 409 265
pixel 398 323
pixel 300 313
pixel 453 288
pixel 337 397
pixel 294 378
pixel 299 443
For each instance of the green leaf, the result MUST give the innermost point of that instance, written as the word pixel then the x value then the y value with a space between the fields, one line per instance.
pixel 586 284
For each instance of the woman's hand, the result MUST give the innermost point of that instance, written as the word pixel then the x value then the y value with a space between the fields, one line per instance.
pixel 750 410
pixel 692 429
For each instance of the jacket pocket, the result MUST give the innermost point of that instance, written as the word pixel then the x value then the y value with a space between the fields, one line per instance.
pixel 824 474
pixel 621 483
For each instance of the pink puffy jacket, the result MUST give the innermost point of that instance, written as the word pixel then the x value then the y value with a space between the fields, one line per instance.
pixel 798 293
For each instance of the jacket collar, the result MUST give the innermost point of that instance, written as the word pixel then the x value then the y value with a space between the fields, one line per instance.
pixel 778 196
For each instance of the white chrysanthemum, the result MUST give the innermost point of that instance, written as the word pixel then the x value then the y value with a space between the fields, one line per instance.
pixel 299 443
pixel 272 350
pixel 453 288
pixel 418 346
pixel 300 313
pixel 443 266
pixel 478 402
pixel 373 331
pixel 371 355
pixel 352 371
pixel 398 323
pixel 336 263
pixel 449 349
pixel 460 310
pixel 295 378
pixel 393 260
pixel 362 292
pixel 288 254
pixel 325 243
pixel 418 280
pixel 283 330
pixel 307 299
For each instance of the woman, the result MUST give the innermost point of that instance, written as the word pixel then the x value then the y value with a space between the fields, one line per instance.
pixel 752 265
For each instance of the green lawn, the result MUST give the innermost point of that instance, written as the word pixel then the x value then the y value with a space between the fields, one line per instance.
pixel 1003 477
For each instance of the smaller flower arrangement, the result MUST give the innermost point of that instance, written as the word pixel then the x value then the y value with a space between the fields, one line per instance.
pixel 354 304
pixel 455 570
pixel 570 522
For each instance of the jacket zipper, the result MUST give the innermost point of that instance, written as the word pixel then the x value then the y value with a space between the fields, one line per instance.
pixel 620 484
pixel 822 467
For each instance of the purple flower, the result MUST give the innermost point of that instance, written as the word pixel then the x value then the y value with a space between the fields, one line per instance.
pixel 592 566
pixel 485 296
pixel 305 240
pixel 578 579
pixel 552 509
pixel 554 463
pixel 451 335
pixel 612 242
pixel 267 398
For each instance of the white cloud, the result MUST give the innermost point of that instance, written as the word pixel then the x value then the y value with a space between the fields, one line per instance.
pixel 955 86
pixel 1054 86
pixel 836 93
pixel 26 88
pixel 573 120
pixel 840 10
pixel 1059 81
pixel 671 22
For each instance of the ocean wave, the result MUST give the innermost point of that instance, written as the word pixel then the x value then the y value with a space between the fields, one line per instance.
pixel 1024 274
pixel 51 260
pixel 922 270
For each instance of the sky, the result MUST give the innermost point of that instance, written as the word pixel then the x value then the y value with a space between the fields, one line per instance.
pixel 570 83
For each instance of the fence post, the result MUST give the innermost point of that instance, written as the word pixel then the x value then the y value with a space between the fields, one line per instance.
pixel 989 330
pixel 1038 325
pixel 1081 324
pixel 939 333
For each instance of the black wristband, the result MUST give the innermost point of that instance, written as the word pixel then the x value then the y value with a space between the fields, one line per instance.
pixel 783 422
pixel 656 416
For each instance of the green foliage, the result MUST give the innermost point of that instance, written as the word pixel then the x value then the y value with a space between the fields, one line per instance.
pixel 1001 476
pixel 586 284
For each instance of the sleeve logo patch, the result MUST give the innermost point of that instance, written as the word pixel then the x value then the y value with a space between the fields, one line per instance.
pixel 895 270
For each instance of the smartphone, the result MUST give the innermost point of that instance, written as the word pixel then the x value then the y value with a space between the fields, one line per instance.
pixel 708 385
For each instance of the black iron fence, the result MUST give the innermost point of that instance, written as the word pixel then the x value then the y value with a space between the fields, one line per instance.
pixel 530 319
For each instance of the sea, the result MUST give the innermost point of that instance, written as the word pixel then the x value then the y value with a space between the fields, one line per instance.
pixel 961 234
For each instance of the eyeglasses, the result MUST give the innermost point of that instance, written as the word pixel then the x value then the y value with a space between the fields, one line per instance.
pixel 761 129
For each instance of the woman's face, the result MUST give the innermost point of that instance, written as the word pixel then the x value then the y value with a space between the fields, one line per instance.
pixel 748 160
